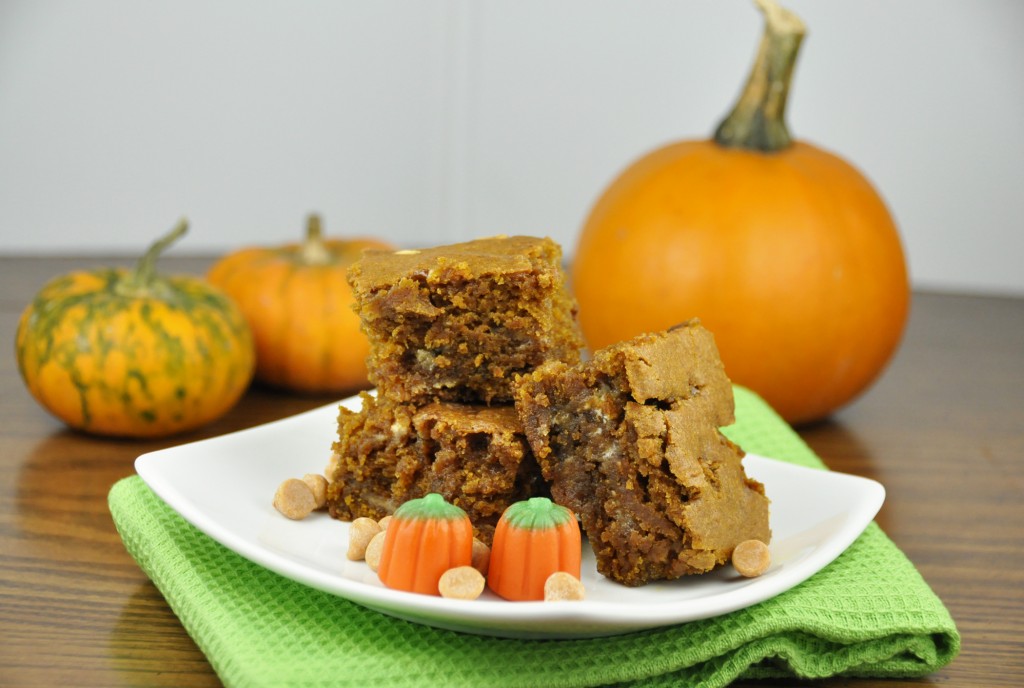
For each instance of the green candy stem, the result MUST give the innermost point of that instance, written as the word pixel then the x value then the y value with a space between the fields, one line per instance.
pixel 432 506
pixel 537 513
pixel 758 120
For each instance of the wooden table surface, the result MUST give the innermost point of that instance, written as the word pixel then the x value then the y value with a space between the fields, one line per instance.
pixel 943 430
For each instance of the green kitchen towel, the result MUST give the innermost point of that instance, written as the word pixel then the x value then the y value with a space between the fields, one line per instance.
pixel 869 613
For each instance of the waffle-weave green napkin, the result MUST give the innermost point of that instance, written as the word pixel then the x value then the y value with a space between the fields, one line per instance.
pixel 869 613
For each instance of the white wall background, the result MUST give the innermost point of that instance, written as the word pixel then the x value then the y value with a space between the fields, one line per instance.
pixel 428 122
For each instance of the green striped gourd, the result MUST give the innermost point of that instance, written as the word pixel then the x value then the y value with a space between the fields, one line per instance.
pixel 132 353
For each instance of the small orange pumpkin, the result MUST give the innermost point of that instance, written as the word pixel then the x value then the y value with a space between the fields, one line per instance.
pixel 534 538
pixel 425 538
pixel 783 250
pixel 298 303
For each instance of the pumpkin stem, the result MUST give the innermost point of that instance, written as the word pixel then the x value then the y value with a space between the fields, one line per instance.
pixel 314 250
pixel 145 270
pixel 757 121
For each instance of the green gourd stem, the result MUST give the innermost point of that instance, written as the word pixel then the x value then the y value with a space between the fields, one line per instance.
pixel 431 506
pixel 314 250
pixel 757 121
pixel 537 513
pixel 143 278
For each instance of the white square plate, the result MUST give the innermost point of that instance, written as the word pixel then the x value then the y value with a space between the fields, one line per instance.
pixel 224 487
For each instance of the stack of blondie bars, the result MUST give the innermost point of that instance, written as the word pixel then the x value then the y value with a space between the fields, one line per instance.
pixel 482 396
pixel 450 329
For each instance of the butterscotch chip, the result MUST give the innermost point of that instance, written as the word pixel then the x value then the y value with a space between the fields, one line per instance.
pixel 318 486
pixel 481 556
pixel 461 583
pixel 562 586
pixel 294 499
pixel 374 550
pixel 751 558
pixel 360 533
pixel 332 464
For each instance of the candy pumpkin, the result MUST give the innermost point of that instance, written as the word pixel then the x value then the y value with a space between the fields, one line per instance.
pixel 425 538
pixel 134 353
pixel 299 306
pixel 534 538
pixel 783 250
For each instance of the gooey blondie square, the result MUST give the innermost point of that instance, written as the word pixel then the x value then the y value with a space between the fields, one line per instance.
pixel 387 453
pixel 459 322
pixel 630 440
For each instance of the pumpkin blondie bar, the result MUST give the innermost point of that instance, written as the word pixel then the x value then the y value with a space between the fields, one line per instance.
pixel 458 322
pixel 387 453
pixel 630 440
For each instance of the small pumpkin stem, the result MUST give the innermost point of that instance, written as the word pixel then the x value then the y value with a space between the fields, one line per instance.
pixel 314 250
pixel 145 269
pixel 757 121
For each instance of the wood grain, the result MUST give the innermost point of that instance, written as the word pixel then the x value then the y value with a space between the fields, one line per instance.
pixel 943 430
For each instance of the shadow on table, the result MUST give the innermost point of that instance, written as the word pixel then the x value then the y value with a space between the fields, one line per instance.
pixel 148 639
pixel 844 451
pixel 61 494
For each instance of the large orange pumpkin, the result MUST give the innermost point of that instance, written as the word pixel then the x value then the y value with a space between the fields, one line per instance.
pixel 783 250
pixel 298 303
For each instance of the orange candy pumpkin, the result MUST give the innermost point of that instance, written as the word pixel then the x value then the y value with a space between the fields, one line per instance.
pixel 533 539
pixel 425 538
pixel 298 303
pixel 783 250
